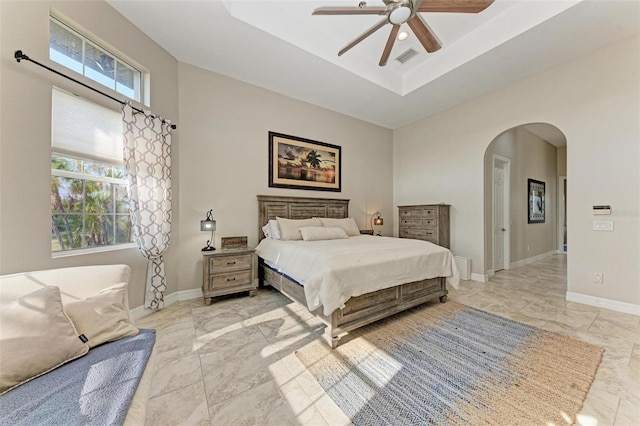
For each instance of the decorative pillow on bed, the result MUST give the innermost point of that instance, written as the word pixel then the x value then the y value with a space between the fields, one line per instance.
pixel 36 336
pixel 275 229
pixel 315 233
pixel 348 224
pixel 289 228
pixel 103 317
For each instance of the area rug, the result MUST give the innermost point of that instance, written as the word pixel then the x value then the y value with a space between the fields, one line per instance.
pixel 449 364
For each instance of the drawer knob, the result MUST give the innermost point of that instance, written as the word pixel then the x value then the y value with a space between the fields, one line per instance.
pixel 231 279
pixel 231 263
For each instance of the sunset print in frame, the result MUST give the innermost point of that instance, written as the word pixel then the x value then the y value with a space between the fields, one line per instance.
pixel 300 163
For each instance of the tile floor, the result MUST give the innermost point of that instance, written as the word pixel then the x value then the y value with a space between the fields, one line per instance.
pixel 233 363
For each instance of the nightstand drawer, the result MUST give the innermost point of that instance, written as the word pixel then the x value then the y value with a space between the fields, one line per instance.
pixel 230 263
pixel 231 279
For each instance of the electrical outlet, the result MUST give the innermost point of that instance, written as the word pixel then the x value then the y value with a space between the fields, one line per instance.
pixel 598 278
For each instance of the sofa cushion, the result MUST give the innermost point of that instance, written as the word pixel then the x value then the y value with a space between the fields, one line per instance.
pixel 36 336
pixel 103 317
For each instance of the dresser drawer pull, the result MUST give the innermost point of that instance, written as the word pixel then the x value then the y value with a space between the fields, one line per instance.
pixel 231 263
pixel 231 279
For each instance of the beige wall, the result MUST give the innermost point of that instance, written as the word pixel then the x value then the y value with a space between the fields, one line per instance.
pixel 530 158
pixel 595 101
pixel 25 132
pixel 224 125
pixel 561 156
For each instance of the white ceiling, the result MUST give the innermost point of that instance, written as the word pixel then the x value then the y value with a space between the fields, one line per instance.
pixel 278 45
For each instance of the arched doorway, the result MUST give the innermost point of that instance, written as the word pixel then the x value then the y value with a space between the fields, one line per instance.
pixel 528 152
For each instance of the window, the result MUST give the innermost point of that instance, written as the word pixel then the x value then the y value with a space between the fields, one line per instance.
pixel 89 190
pixel 69 48
pixel 89 204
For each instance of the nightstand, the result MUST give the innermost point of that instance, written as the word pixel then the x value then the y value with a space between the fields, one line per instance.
pixel 366 231
pixel 227 272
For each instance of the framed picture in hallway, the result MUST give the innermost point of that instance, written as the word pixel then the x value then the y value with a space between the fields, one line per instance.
pixel 300 163
pixel 535 190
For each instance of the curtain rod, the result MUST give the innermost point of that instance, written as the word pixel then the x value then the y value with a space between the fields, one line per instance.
pixel 18 55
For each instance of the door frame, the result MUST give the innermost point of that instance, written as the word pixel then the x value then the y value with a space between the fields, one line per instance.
pixel 505 164
pixel 561 222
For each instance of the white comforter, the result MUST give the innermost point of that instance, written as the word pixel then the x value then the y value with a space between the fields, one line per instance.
pixel 332 271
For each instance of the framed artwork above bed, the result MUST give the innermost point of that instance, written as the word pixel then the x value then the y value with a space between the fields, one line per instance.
pixel 300 163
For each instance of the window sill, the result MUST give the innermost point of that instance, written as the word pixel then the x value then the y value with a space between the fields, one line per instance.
pixel 80 252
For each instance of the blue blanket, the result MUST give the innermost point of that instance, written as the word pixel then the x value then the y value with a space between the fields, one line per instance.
pixel 95 389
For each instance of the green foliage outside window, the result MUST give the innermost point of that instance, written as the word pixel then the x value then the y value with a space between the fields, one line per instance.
pixel 89 204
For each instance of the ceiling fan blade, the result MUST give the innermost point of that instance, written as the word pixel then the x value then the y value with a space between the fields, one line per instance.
pixel 454 6
pixel 349 11
pixel 389 45
pixel 425 36
pixel 364 35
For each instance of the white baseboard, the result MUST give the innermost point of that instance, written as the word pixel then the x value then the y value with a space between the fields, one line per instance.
pixel 533 259
pixel 482 278
pixel 169 299
pixel 599 302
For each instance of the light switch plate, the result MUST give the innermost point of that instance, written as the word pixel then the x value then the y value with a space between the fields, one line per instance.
pixel 603 225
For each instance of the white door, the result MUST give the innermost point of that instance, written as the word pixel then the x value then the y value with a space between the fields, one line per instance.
pixel 498 219
pixel 500 213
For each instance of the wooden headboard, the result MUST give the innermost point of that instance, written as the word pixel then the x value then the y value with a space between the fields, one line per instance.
pixel 270 206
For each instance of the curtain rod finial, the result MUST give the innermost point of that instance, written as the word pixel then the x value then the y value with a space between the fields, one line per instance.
pixel 19 55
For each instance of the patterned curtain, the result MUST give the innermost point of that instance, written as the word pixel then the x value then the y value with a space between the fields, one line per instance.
pixel 147 149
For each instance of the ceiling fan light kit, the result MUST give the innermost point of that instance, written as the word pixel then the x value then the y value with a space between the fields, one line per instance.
pixel 399 14
pixel 400 11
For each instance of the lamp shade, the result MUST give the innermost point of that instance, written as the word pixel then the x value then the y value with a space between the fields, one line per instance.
pixel 378 221
pixel 208 224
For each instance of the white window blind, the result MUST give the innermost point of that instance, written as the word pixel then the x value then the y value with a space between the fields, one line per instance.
pixel 81 127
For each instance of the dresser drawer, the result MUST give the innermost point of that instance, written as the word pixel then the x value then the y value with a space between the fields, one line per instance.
pixel 418 223
pixel 420 234
pixel 427 212
pixel 231 279
pixel 230 263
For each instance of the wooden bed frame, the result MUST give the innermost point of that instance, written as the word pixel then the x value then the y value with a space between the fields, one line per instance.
pixel 358 311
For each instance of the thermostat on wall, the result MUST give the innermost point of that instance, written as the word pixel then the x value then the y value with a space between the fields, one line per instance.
pixel 601 209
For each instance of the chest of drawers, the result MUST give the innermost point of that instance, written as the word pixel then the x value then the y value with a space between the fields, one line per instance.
pixel 429 222
pixel 226 272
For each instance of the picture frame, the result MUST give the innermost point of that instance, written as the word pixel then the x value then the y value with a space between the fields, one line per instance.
pixel 536 201
pixel 300 163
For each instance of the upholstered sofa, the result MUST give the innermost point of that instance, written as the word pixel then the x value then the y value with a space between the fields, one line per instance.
pixel 80 333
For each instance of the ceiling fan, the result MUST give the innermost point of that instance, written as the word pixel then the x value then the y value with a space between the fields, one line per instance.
pixel 400 11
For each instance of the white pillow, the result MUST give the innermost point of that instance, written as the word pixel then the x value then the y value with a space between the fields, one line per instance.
pixel 36 336
pixel 289 228
pixel 266 230
pixel 103 317
pixel 348 224
pixel 274 229
pixel 315 233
